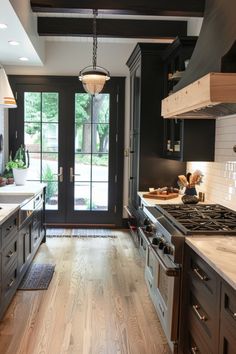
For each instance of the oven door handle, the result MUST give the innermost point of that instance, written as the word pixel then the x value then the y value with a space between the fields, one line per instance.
pixel 169 271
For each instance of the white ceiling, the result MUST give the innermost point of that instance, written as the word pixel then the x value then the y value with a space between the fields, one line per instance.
pixel 21 22
pixel 15 31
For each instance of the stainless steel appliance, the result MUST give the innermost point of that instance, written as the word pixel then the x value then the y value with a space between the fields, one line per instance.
pixel 164 237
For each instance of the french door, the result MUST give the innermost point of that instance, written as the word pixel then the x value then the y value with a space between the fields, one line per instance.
pixel 75 143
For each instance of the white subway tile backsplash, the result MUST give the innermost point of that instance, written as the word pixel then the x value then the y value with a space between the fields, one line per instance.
pixel 219 180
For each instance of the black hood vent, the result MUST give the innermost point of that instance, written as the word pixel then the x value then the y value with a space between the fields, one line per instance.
pixel 214 53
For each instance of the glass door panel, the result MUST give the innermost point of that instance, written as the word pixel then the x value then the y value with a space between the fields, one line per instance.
pixel 74 146
pixel 41 128
pixel 91 146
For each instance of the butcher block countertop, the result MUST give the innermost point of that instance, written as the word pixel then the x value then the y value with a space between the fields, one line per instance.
pixel 218 251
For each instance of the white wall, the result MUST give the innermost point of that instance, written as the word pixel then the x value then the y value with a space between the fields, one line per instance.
pixel 219 181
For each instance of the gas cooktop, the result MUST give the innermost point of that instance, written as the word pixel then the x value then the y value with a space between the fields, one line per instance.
pixel 200 218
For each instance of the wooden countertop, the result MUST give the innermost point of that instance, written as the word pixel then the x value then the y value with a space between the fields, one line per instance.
pixel 219 252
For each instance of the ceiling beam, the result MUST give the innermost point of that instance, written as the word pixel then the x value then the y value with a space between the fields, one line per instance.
pixel 190 8
pixel 81 27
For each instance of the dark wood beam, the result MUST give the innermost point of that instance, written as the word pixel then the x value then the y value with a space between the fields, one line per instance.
pixel 81 27
pixel 127 7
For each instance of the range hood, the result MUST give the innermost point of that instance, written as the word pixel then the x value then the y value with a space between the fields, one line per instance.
pixel 207 88
pixel 7 99
pixel 214 95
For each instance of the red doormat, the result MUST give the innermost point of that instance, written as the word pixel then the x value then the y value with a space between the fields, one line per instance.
pixel 38 277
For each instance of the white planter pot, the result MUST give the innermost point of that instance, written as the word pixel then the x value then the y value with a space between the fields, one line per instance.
pixel 20 175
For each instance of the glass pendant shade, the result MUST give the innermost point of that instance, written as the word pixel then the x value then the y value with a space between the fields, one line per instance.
pixel 7 99
pixel 93 79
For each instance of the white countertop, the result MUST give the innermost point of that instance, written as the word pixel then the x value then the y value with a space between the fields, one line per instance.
pixel 30 188
pixel 7 210
pixel 11 197
pixel 219 252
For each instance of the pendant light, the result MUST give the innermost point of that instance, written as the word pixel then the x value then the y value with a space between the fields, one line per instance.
pixel 7 99
pixel 93 77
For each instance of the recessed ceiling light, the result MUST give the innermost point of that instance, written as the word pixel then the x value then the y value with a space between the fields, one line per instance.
pixel 23 59
pixel 3 26
pixel 13 42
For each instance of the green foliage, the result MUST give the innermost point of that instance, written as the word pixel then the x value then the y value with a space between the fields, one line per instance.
pixel 97 160
pixel 21 160
pixel 48 177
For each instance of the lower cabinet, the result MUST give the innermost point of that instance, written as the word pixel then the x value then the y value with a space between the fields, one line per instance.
pixel 8 256
pixel 208 310
pixel 227 320
pixel 18 245
pixel 25 248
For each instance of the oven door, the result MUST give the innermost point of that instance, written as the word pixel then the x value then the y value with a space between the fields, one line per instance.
pixel 163 282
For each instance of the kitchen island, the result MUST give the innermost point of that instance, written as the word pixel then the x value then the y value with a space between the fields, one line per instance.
pixel 21 233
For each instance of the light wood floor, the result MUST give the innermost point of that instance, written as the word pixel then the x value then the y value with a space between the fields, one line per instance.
pixel 97 303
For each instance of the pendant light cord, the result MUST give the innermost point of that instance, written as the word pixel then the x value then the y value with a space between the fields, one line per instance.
pixel 95 41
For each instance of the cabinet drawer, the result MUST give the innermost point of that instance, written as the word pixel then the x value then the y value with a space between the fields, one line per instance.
pixel 203 277
pixel 228 306
pixel 9 254
pixel 195 345
pixel 9 281
pixel 35 234
pixel 203 320
pixel 9 229
pixel 227 339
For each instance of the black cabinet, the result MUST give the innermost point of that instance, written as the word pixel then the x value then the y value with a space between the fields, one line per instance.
pixel 209 309
pixel 201 306
pixel 20 237
pixel 184 139
pixel 8 258
pixel 227 320
pixel 146 166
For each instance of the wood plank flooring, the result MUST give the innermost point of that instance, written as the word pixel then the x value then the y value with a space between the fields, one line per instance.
pixel 97 303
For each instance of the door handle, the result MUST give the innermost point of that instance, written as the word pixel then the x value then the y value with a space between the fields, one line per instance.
pixel 72 174
pixel 60 174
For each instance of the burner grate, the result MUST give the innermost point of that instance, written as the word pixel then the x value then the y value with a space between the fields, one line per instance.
pixel 202 218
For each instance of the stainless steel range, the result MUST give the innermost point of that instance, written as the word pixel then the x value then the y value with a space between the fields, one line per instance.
pixel 163 236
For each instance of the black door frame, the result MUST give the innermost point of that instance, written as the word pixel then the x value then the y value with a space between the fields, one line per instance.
pixel 116 86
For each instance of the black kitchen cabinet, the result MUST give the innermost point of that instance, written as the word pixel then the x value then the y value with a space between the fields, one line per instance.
pixel 184 139
pixel 227 320
pixel 146 166
pixel 208 307
pixel 8 257
pixel 20 237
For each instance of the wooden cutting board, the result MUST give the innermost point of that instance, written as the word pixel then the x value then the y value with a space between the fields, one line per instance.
pixel 161 196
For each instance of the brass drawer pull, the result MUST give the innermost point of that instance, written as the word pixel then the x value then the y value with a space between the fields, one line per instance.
pixel 196 309
pixel 194 350
pixel 10 254
pixel 200 276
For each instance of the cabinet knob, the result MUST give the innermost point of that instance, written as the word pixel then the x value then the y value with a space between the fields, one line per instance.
pixel 194 350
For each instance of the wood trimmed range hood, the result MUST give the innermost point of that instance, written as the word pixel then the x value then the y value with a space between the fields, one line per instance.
pixel 212 96
pixel 208 86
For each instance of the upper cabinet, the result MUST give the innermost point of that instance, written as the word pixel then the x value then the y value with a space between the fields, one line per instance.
pixel 146 166
pixel 184 140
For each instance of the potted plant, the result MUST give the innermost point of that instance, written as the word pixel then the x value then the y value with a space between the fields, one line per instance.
pixel 18 167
